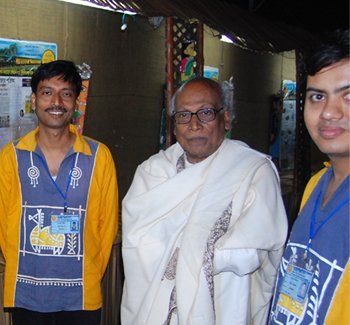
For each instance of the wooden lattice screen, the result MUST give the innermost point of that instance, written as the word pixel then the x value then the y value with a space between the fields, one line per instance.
pixel 181 33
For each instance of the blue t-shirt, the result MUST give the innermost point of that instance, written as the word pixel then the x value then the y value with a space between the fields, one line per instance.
pixel 309 272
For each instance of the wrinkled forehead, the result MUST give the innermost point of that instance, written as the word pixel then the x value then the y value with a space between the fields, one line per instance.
pixel 198 93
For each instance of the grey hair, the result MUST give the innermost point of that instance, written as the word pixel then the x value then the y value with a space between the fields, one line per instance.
pixel 225 89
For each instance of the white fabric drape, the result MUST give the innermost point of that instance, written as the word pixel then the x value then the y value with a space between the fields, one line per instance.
pixel 165 210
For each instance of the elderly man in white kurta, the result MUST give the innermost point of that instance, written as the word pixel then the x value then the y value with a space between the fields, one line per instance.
pixel 204 224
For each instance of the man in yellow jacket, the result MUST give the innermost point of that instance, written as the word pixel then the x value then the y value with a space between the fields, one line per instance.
pixel 58 209
pixel 313 281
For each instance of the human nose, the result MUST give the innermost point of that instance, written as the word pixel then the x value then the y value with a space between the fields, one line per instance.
pixel 195 123
pixel 56 99
pixel 332 109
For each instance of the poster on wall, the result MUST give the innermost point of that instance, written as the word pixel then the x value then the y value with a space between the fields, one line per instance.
pixel 20 58
pixel 16 115
pixel 79 116
pixel 188 61
pixel 211 72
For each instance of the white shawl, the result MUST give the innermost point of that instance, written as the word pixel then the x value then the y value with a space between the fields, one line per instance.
pixel 164 210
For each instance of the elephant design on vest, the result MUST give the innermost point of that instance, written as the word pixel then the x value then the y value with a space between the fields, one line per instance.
pixel 41 237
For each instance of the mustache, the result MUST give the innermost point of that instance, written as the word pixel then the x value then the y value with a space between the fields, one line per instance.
pixel 334 124
pixel 56 108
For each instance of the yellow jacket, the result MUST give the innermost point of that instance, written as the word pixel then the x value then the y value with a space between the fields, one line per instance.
pixel 101 216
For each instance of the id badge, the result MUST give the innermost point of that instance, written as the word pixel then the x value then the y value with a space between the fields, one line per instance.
pixel 65 224
pixel 294 290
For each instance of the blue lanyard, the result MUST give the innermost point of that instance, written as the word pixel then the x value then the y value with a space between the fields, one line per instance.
pixel 313 231
pixel 64 195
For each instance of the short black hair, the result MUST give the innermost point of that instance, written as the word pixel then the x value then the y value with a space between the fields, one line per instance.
pixel 333 47
pixel 64 68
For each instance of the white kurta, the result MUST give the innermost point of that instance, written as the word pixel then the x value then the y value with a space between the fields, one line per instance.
pixel 212 234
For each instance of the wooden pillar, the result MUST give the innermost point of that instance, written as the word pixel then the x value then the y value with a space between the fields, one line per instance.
pixel 169 78
pixel 200 55
pixel 302 159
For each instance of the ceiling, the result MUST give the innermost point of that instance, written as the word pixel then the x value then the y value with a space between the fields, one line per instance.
pixel 260 25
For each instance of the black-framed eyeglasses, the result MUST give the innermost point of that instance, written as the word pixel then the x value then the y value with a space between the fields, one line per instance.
pixel 204 115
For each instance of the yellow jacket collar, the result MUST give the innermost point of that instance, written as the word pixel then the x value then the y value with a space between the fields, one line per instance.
pixel 28 142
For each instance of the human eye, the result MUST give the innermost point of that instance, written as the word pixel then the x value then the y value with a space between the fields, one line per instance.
pixel 206 112
pixel 182 115
pixel 67 94
pixel 46 92
pixel 316 97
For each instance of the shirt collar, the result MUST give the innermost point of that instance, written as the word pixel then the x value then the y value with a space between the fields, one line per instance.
pixel 28 142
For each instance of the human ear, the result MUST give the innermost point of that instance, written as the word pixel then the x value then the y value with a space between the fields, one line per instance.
pixel 33 101
pixel 227 121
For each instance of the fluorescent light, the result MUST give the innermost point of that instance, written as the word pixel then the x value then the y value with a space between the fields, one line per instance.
pixel 126 12
pixel 93 5
pixel 224 38
pixel 87 4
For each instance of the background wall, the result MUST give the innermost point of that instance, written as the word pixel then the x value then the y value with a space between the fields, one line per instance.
pixel 125 94
pixel 126 89
pixel 256 77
